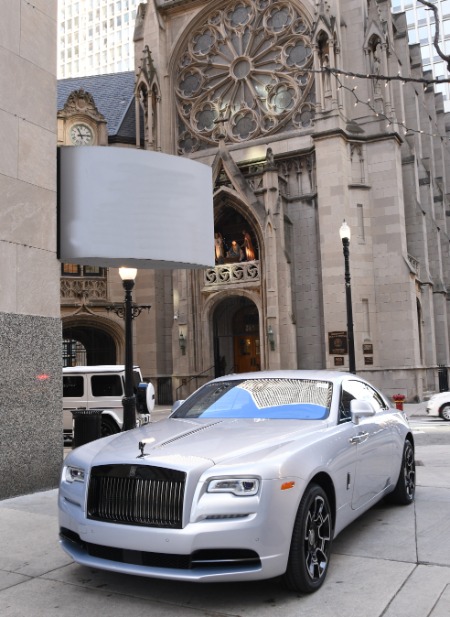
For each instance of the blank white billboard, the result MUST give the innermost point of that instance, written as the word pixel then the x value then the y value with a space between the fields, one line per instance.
pixel 121 206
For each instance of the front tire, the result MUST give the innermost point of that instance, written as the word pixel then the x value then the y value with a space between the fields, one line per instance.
pixel 405 488
pixel 444 412
pixel 310 550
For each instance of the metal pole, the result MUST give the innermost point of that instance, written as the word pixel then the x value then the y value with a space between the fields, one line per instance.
pixel 348 298
pixel 129 400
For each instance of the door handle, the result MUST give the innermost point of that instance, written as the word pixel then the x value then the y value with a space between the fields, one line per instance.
pixel 359 438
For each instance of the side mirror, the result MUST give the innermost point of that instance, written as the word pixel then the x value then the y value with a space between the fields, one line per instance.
pixel 361 409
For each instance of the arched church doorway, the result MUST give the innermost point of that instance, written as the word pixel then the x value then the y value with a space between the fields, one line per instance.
pixel 236 336
pixel 87 345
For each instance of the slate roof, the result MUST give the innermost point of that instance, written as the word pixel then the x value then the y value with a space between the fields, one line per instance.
pixel 114 97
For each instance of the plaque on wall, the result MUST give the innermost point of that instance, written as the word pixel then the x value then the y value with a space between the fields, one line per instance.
pixel 339 361
pixel 367 348
pixel 337 343
pixel 368 360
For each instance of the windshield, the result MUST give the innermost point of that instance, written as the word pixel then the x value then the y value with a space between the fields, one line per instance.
pixel 300 399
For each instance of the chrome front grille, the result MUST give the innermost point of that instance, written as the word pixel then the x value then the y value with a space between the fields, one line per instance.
pixel 136 495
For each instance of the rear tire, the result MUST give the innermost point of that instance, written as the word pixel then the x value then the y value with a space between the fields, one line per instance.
pixel 444 411
pixel 405 488
pixel 108 426
pixel 311 542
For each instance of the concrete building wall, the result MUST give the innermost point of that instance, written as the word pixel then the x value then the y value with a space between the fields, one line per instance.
pixel 30 328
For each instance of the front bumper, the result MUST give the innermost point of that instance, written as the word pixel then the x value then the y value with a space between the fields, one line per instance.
pixel 249 547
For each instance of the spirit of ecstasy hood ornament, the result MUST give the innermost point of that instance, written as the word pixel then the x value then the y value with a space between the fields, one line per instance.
pixel 142 445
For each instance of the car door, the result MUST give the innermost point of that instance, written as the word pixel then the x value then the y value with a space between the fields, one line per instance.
pixel 373 440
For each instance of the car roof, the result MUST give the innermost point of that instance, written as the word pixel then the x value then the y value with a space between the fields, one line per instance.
pixel 324 375
pixel 98 368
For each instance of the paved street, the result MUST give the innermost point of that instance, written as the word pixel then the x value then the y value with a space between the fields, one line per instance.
pixel 392 562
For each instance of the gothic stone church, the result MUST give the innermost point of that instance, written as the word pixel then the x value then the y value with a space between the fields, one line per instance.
pixel 259 91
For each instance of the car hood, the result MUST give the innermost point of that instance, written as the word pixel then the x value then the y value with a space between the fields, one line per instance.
pixel 187 443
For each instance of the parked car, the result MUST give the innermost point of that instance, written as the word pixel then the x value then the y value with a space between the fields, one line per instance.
pixel 97 387
pixel 250 478
pixel 439 405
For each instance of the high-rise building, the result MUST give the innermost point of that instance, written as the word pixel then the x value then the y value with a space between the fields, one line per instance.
pixel 95 36
pixel 421 29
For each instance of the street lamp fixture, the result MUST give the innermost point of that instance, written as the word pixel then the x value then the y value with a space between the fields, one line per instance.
pixel 271 338
pixel 129 400
pixel 345 235
pixel 182 343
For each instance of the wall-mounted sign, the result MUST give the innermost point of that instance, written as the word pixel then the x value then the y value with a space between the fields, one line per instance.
pixel 337 343
pixel 338 360
pixel 367 348
pixel 368 360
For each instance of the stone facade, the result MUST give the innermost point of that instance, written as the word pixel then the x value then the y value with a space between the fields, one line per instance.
pixel 30 326
pixel 243 87
pixel 263 92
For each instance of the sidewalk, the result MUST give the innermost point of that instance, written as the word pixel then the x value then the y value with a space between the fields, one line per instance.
pixel 392 562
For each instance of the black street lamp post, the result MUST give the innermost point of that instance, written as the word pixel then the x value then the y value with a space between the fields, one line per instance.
pixel 129 400
pixel 344 233
pixel 128 311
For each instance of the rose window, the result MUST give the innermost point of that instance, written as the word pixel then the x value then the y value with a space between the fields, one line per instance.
pixel 244 74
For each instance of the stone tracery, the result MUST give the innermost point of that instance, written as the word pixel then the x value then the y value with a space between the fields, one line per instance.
pixel 245 65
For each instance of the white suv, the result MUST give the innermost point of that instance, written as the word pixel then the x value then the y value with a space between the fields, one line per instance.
pixel 102 387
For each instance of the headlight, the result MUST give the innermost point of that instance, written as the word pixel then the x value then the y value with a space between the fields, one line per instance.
pixel 237 486
pixel 74 474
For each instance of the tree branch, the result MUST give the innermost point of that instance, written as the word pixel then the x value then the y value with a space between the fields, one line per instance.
pixel 433 8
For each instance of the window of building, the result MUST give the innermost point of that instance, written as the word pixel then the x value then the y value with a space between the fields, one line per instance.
pixel 410 17
pixel 70 270
pixel 77 270
pixel 421 15
pixel 439 69
pixel 423 34
pixel 412 36
pixel 360 226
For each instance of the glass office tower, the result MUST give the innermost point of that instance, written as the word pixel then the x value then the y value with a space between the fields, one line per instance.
pixel 421 28
pixel 95 36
